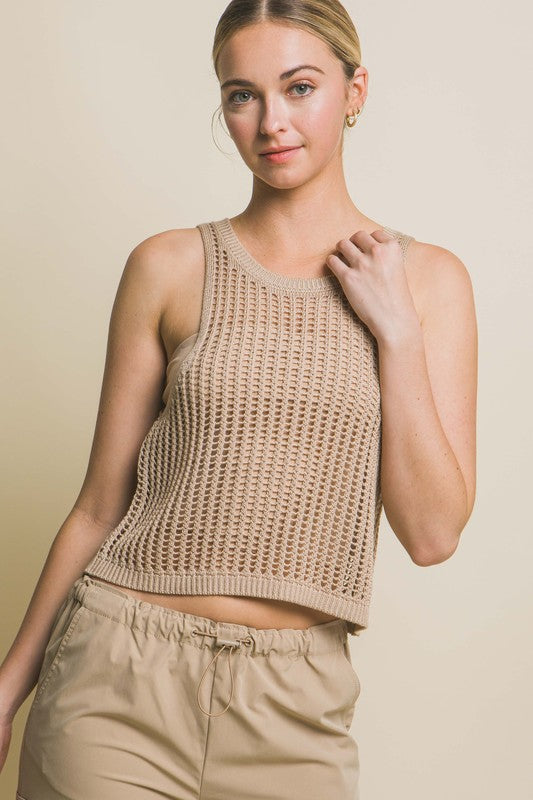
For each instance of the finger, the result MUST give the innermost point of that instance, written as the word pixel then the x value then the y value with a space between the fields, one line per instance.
pixel 381 235
pixel 365 240
pixel 337 265
pixel 349 250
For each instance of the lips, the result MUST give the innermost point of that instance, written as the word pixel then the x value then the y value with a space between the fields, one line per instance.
pixel 278 150
pixel 281 156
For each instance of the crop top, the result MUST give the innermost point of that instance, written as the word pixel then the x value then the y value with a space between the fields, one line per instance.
pixel 260 476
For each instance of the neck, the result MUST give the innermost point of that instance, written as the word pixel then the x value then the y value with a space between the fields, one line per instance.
pixel 301 220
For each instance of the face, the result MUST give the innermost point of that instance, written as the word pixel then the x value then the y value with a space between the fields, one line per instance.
pixel 265 109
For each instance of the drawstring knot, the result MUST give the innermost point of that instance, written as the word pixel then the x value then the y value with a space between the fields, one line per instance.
pixel 226 642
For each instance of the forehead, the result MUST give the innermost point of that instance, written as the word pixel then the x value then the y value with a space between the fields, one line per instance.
pixel 268 49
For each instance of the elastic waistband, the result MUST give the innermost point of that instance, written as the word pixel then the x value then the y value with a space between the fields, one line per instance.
pixel 204 631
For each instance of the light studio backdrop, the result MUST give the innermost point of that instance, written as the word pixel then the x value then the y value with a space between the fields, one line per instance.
pixel 105 140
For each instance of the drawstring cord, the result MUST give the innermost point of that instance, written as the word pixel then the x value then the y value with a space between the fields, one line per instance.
pixel 226 642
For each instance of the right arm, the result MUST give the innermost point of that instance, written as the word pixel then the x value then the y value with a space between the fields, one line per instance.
pixel 130 401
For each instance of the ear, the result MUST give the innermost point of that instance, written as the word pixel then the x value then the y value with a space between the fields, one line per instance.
pixel 358 89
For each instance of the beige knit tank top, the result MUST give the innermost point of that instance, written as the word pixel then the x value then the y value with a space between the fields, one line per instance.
pixel 260 475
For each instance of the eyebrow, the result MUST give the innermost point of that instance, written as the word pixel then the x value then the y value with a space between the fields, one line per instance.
pixel 282 77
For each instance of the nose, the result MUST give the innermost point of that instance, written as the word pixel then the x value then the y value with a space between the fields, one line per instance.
pixel 273 117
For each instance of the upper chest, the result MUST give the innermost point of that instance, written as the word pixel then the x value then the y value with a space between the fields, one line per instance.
pixel 184 296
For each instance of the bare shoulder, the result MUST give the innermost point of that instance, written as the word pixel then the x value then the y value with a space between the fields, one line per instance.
pixel 167 256
pixel 171 267
pixel 438 279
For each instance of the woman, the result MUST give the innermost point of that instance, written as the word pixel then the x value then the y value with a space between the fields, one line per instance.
pixel 189 632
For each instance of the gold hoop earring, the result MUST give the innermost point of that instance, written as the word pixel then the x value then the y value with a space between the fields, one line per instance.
pixel 351 119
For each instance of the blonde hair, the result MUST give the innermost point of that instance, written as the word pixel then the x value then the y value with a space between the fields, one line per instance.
pixel 326 19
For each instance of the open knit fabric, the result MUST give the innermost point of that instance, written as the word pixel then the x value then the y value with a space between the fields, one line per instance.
pixel 260 476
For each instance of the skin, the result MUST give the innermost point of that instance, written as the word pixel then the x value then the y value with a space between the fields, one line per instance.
pixel 300 213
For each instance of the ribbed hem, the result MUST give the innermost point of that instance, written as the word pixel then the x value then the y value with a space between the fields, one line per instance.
pixel 353 611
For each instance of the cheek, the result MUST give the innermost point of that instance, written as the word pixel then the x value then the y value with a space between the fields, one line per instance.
pixel 322 120
pixel 241 126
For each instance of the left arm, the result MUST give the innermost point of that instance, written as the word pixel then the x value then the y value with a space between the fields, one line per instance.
pixel 428 382
pixel 428 377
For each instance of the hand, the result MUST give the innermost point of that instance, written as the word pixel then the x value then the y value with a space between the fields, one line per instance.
pixel 374 281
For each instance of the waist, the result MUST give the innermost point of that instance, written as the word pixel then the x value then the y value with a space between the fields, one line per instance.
pixel 256 612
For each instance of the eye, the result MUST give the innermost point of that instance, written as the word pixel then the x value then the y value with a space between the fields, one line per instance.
pixel 303 84
pixel 232 97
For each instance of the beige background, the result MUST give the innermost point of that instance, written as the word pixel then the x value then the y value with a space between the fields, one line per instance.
pixel 106 139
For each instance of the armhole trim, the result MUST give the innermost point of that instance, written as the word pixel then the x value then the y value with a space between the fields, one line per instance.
pixel 210 254
pixel 404 238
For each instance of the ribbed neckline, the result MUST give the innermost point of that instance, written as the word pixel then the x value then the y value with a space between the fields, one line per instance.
pixel 326 283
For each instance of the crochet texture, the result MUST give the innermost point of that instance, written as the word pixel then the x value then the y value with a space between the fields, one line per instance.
pixel 260 476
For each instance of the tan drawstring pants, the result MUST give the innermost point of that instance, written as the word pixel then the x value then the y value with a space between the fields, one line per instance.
pixel 135 701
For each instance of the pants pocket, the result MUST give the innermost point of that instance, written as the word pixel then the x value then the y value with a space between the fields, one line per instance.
pixel 355 677
pixel 353 682
pixel 64 626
